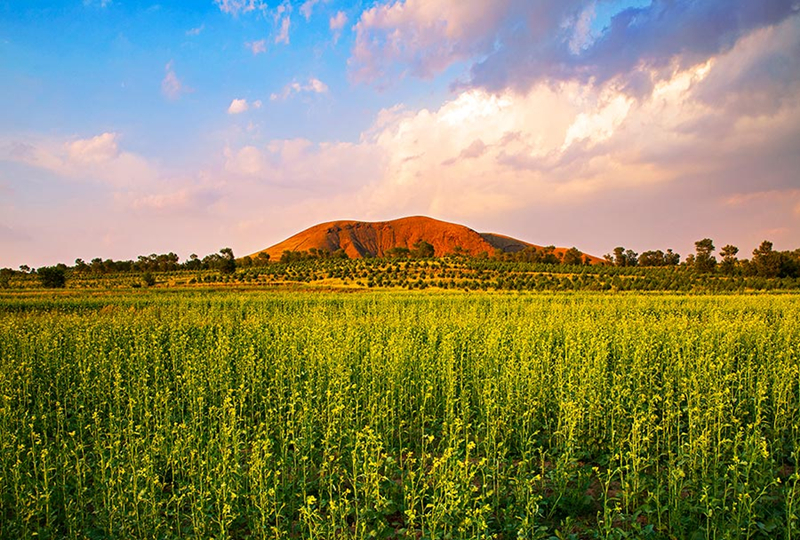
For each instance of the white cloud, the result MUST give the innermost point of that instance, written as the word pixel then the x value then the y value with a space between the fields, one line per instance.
pixel 171 85
pixel 257 47
pixel 314 86
pixel 196 31
pixel 95 150
pixel 97 3
pixel 238 106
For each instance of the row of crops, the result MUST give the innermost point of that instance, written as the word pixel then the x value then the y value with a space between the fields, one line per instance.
pixel 442 274
pixel 206 414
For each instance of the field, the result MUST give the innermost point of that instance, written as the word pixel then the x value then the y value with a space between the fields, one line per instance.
pixel 180 413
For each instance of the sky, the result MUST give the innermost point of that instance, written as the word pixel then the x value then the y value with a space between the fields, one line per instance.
pixel 136 127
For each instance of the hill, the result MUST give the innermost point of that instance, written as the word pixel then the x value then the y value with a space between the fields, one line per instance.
pixel 374 239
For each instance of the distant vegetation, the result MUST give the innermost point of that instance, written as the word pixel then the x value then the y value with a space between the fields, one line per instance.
pixel 420 267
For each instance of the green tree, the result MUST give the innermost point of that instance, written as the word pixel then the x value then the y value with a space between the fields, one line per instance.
pixel 262 259
pixel 652 258
pixel 548 255
pixel 624 257
pixel 5 277
pixel 422 250
pixel 619 256
pixel 770 264
pixel 52 277
pixel 193 263
pixel 729 260
pixel 766 262
pixel 227 263
pixel 573 256
pixel 704 261
pixel 671 258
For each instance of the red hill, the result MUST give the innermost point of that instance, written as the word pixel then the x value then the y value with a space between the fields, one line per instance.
pixel 365 239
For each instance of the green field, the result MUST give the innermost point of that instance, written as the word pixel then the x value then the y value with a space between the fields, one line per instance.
pixel 195 414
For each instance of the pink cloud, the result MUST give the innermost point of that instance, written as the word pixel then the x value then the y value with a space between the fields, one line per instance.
pixel 171 86
pixel 257 47
pixel 238 106
pixel 283 32
pixel 307 8
pixel 314 86
pixel 336 24
pixel 517 43
pixel 235 7
pixel 426 35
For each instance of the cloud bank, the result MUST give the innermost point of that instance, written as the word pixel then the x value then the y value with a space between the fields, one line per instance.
pixel 722 122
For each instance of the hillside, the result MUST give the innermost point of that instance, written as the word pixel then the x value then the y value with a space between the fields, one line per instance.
pixel 363 239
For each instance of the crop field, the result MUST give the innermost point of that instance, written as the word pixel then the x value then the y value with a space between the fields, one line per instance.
pixel 212 414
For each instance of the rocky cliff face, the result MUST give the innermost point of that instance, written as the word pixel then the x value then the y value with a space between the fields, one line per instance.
pixel 364 239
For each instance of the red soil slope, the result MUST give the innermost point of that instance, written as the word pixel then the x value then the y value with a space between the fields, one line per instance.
pixel 360 238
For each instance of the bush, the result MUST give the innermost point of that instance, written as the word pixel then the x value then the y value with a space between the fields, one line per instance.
pixel 5 277
pixel 52 277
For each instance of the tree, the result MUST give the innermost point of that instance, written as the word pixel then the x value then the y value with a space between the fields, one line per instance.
pixel 729 259
pixel 5 277
pixel 573 256
pixel 262 259
pixel 770 264
pixel 422 250
pixel 97 265
pixel 193 263
pixel 765 261
pixel 671 258
pixel 548 255
pixel 148 279
pixel 625 257
pixel 704 261
pixel 619 256
pixel 24 268
pixel 227 263
pixel 52 277
pixel 652 258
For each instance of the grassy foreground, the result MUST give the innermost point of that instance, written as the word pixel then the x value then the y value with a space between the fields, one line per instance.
pixel 202 414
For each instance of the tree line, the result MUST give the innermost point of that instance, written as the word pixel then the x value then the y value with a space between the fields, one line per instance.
pixel 766 262
pixel 223 261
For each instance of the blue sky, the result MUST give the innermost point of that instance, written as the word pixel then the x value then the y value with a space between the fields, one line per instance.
pixel 135 127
